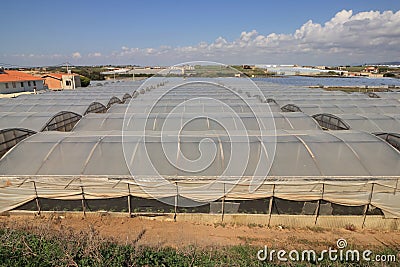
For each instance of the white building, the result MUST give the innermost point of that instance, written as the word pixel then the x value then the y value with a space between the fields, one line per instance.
pixel 12 81
pixel 58 81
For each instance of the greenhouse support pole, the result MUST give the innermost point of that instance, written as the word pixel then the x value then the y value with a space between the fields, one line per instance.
pixel 129 201
pixel 271 201
pixel 83 202
pixel 367 205
pixel 176 201
pixel 223 205
pixel 319 204
pixel 37 198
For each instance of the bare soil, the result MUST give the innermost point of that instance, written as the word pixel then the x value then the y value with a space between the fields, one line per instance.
pixel 155 233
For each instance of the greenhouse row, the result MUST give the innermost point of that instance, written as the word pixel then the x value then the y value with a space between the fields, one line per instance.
pixel 202 140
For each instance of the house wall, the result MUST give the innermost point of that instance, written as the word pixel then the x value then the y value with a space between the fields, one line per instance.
pixel 53 83
pixel 26 86
pixel 71 81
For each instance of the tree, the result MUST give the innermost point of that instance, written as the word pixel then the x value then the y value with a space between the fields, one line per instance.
pixel 85 81
pixel 389 74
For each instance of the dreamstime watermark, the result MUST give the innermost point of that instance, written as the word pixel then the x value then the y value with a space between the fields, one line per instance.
pixel 198 122
pixel 339 253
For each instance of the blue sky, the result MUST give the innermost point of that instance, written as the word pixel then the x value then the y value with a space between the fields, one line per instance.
pixel 122 32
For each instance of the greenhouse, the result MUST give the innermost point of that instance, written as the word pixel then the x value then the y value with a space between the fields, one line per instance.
pixel 196 121
pixel 386 95
pixel 312 109
pixel 366 172
pixel 16 126
pixel 82 109
pixel 391 138
pixel 178 144
pixel 190 107
pixel 371 123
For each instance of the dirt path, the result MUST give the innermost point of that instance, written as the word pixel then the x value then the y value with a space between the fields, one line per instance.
pixel 143 231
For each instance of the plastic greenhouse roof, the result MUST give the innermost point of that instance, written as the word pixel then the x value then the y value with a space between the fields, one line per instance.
pixel 84 100
pixel 76 108
pixel 338 101
pixel 389 95
pixel 194 108
pixel 198 121
pixel 372 123
pixel 34 121
pixel 322 154
pixel 312 109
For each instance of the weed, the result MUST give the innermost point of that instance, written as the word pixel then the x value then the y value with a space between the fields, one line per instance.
pixel 350 227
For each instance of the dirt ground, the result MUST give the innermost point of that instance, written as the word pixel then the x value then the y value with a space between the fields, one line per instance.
pixel 150 232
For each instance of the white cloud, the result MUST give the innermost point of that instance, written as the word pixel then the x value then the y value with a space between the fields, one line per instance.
pixel 345 38
pixel 76 55
pixel 95 54
pixel 365 36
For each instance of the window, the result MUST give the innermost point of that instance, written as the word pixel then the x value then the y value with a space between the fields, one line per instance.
pixel 14 84
pixel 22 84
pixel 29 83
pixel 6 85
pixel 68 83
pixel 34 83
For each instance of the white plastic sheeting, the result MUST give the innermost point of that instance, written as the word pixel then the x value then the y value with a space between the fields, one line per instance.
pixel 340 167
pixel 198 122
pixel 36 121
pixel 312 109
pixel 372 123
pixel 44 107
pixel 344 167
pixel 194 108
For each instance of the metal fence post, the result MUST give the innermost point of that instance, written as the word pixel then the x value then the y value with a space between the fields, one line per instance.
pixel 176 201
pixel 83 202
pixel 367 205
pixel 319 204
pixel 223 205
pixel 37 198
pixel 271 202
pixel 129 201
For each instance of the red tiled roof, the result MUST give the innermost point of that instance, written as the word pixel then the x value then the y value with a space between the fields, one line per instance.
pixel 17 76
pixel 57 75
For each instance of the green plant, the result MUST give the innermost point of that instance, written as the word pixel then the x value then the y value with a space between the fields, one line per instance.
pixel 350 227
pixel 84 81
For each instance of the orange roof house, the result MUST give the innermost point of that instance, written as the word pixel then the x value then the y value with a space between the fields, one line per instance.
pixel 58 81
pixel 17 76
pixel 13 81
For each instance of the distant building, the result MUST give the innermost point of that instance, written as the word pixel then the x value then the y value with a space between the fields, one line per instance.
pixel 13 81
pixel 58 81
pixel 371 69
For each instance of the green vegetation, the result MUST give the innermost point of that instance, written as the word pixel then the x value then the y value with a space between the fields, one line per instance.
pixel 252 72
pixel 41 247
pixel 224 71
pixel 389 74
pixel 332 73
pixel 356 89
pixel 19 248
pixel 354 68
pixel 125 75
pixel 93 73
pixel 85 81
